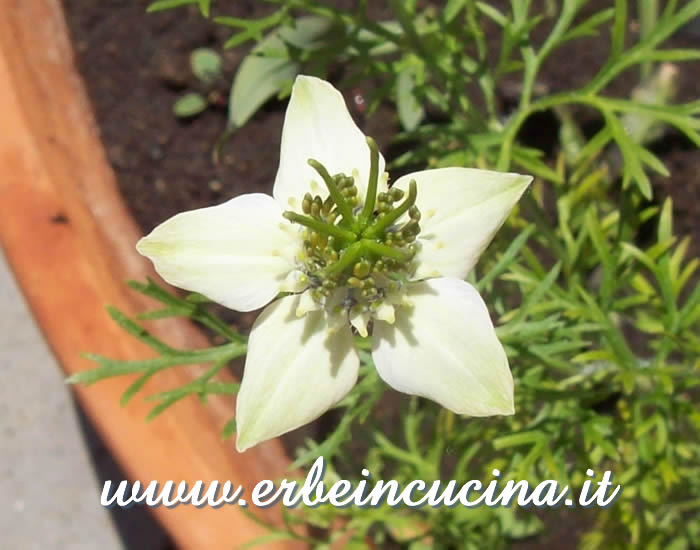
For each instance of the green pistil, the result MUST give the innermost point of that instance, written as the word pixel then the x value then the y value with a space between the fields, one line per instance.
pixel 336 195
pixel 387 251
pixel 368 209
pixel 390 217
pixel 321 227
pixel 361 249
pixel 351 254
pixel 357 250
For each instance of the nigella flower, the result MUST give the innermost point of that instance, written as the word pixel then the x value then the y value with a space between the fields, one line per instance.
pixel 333 248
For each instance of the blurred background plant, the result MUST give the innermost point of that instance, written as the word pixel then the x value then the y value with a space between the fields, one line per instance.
pixel 206 66
pixel 589 286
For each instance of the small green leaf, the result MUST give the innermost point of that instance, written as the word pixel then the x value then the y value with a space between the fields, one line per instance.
pixel 229 429
pixel 590 26
pixel 452 9
pixel 522 438
pixel 189 307
pixel 632 154
pixel 607 259
pixel 206 64
pixel 190 104
pixel 665 230
pixel 492 13
pixel 508 256
pixel 165 404
pixel 537 294
pixel 410 111
pixel 524 158
pixel 137 331
pixel 204 7
pixel 162 5
pixel 619 28
pixel 136 386
pixel 264 540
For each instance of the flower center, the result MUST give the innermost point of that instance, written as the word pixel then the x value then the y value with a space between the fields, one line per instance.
pixel 357 254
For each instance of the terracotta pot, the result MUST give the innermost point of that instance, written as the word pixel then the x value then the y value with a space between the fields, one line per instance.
pixel 70 242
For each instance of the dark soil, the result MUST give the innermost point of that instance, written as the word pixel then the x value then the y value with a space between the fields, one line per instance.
pixel 136 65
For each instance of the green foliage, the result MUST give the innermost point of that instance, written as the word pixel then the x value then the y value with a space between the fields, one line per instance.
pixel 193 307
pixel 601 324
pixel 160 5
pixel 206 66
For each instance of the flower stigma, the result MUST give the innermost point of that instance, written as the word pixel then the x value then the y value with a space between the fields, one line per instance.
pixel 358 256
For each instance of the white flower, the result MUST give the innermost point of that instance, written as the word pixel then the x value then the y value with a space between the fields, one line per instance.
pixel 350 252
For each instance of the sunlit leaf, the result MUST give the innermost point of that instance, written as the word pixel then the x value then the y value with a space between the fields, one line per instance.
pixel 261 77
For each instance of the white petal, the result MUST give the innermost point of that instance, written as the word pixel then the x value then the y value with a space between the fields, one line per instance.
pixel 238 253
pixel 445 348
pixel 294 372
pixel 318 125
pixel 461 210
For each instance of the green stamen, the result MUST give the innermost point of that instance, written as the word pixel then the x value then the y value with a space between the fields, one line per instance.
pixel 371 197
pixel 335 193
